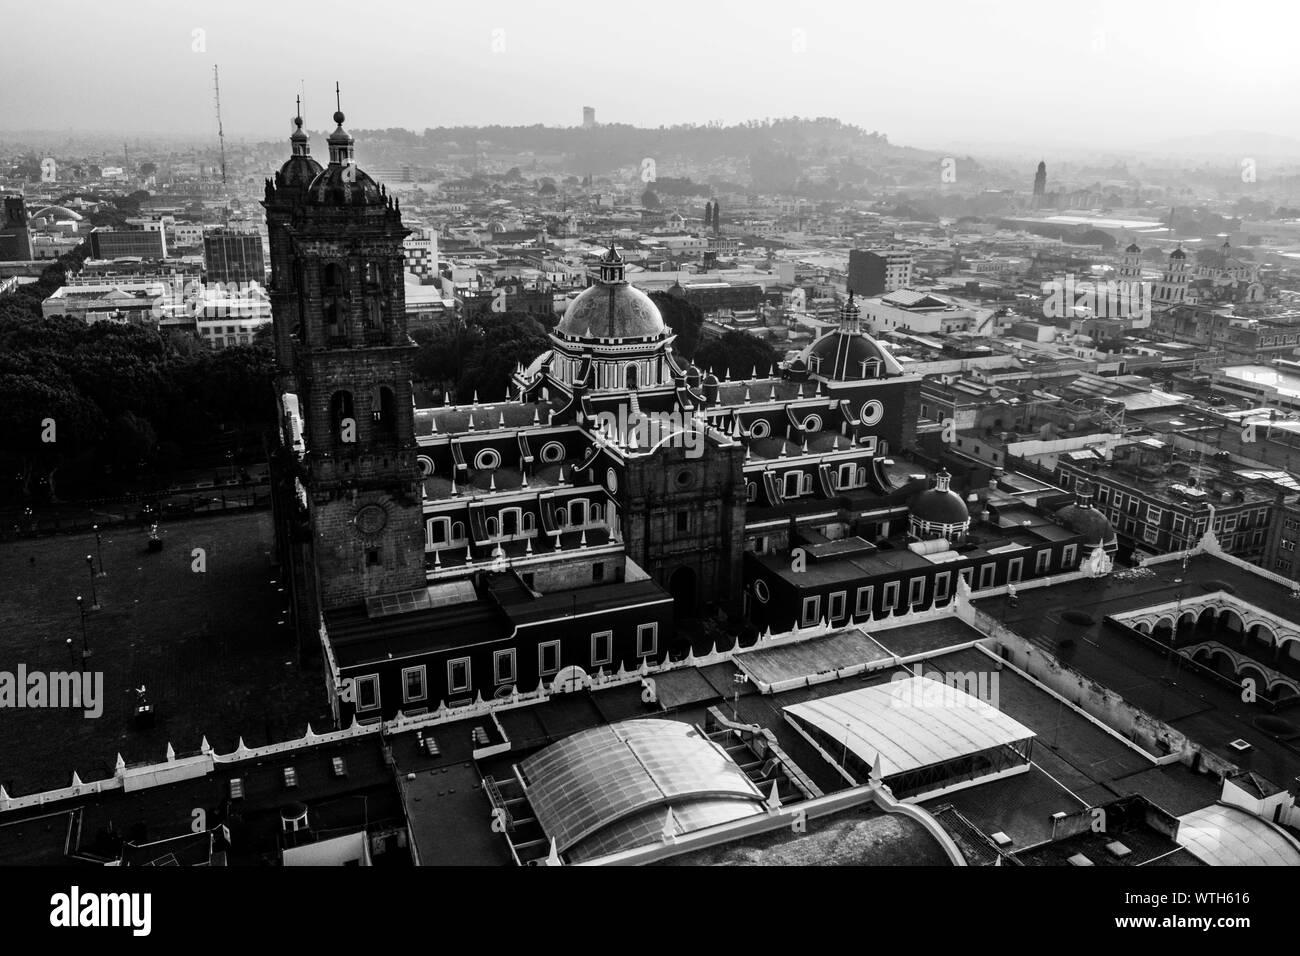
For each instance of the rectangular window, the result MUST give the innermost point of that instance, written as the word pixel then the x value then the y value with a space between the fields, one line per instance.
pixel 1230 524
pixel 1043 562
pixel 968 575
pixel 1155 515
pixel 1150 533
pixel 1067 556
pixel 838 600
pixel 413 688
pixel 986 575
pixel 864 601
pixel 368 692
pixel 597 572
pixel 647 640
pixel 503 666
pixel 890 601
pixel 1103 495
pixel 1288 545
pixel 915 591
pixel 1014 569
pixel 548 658
pixel 602 648
pixel 683 521
pixel 941 585
pixel 811 609
pixel 458 676
pixel 1180 524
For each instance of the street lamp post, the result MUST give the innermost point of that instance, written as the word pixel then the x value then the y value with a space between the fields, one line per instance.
pixel 94 599
pixel 85 648
pixel 72 660
pixel 99 550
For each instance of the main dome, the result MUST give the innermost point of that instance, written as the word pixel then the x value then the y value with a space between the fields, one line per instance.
pixel 611 312
pixel 612 308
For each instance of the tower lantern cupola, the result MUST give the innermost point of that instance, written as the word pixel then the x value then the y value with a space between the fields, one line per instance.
pixel 850 315
pixel 340 141
pixel 612 268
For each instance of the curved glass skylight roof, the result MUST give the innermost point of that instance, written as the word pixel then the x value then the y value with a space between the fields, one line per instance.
pixel 1228 836
pixel 610 788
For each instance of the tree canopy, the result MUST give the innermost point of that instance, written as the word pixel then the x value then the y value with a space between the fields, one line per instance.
pixel 735 353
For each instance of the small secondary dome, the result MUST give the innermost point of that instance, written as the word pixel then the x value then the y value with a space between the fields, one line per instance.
pixel 1085 520
pixel 939 506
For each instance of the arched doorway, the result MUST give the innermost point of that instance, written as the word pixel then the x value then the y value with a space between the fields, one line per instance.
pixel 681 585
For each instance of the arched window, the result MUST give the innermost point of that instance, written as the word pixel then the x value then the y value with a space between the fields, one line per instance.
pixel 374 314
pixel 458 531
pixel 595 513
pixel 334 318
pixel 492 527
pixel 438 531
pixel 631 378
pixel 385 412
pixel 332 280
pixel 530 523
pixel 561 517
pixel 578 512
pixel 342 418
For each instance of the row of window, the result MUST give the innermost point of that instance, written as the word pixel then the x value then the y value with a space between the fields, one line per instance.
pixel 1132 505
pixel 811 613
pixel 510 522
pixel 415 688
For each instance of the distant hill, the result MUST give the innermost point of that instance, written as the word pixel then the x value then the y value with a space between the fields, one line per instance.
pixel 1227 143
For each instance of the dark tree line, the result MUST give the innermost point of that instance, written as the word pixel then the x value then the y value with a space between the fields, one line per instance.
pixel 89 410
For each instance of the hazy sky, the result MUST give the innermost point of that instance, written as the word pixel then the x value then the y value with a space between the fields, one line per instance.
pixel 929 74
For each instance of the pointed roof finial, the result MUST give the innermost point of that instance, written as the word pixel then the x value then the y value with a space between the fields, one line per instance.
pixel 338 104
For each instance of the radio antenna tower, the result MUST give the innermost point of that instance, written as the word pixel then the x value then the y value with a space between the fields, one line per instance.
pixel 221 134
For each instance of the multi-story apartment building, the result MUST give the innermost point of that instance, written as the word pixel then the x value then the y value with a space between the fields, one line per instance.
pixel 234 256
pixel 874 272
pixel 109 243
pixel 1158 504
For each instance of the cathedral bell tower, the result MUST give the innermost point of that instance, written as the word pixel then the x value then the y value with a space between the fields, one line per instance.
pixel 338 303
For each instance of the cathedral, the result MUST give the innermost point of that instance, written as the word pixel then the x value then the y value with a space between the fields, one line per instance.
pixel 437 556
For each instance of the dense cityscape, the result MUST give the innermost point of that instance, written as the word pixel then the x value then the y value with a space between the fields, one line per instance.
pixel 763 492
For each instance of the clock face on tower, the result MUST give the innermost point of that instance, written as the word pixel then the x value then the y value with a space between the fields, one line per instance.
pixel 371 519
